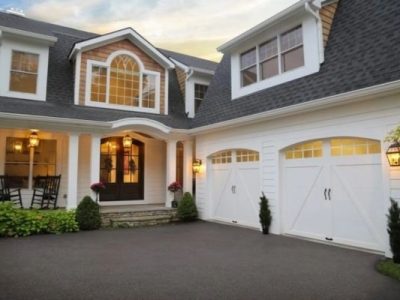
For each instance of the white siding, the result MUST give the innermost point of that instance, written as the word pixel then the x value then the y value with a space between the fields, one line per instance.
pixel 369 119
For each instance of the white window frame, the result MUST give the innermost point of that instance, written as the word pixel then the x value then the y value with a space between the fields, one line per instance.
pixel 7 48
pixel 310 49
pixel 93 63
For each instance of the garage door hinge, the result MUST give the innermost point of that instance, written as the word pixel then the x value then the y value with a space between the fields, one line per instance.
pixel 234 222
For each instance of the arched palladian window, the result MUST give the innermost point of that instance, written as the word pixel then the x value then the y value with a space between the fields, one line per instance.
pixel 123 81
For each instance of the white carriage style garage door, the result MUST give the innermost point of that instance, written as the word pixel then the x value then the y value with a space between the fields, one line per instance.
pixel 235 187
pixel 332 190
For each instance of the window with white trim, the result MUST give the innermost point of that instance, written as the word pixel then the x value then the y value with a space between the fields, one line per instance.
pixel 24 72
pixel 277 55
pixel 124 83
pixel 200 91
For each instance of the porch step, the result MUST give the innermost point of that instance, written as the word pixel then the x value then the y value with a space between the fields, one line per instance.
pixel 138 217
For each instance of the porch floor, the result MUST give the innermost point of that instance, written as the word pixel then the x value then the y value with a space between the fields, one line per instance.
pixel 133 208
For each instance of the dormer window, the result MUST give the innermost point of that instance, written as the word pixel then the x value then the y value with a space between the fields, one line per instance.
pixel 273 57
pixel 24 72
pixel 123 82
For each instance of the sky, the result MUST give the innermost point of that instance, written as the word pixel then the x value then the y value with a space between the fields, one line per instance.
pixel 195 27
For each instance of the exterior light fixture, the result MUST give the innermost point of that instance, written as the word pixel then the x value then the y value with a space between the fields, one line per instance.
pixel 33 139
pixel 393 155
pixel 196 166
pixel 127 141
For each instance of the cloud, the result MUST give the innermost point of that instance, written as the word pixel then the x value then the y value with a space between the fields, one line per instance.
pixel 174 23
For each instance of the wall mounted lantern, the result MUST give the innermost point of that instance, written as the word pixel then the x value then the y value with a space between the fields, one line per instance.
pixel 393 154
pixel 33 139
pixel 18 146
pixel 127 141
pixel 196 166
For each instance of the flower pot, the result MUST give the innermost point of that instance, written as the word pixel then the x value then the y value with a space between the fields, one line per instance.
pixel 174 203
pixel 265 230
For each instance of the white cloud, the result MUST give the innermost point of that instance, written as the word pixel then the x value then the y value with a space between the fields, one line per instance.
pixel 161 21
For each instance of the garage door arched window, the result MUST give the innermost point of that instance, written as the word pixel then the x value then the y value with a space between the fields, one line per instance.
pixel 247 156
pixel 224 157
pixel 311 149
pixel 354 146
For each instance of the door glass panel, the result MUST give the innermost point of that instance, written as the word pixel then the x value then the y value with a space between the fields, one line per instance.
pixel 131 164
pixel 306 150
pixel 108 162
pixel 353 146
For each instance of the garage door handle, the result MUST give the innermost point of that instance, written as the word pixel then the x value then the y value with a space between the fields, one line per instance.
pixel 329 194
pixel 233 189
pixel 325 194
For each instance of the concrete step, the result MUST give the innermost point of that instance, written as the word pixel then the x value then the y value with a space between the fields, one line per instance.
pixel 138 218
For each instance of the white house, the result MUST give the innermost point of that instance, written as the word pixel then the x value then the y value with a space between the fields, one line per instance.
pixel 298 108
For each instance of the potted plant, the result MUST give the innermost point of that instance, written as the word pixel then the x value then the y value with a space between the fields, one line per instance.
pixel 174 188
pixel 97 188
pixel 394 230
pixel 265 214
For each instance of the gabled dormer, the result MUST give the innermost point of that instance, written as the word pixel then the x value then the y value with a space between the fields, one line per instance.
pixel 24 58
pixel 121 70
pixel 285 47
pixel 194 76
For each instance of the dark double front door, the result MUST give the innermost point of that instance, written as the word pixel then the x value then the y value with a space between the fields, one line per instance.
pixel 121 169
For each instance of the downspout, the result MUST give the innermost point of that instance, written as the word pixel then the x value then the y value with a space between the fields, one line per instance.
pixel 320 36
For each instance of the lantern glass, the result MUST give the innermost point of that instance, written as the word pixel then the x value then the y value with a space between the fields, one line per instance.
pixel 33 140
pixel 197 166
pixel 393 155
pixel 127 141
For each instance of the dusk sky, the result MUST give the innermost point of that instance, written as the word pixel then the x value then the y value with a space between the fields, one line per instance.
pixel 195 27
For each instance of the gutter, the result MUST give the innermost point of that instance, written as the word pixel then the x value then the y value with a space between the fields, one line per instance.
pixel 47 39
pixel 326 102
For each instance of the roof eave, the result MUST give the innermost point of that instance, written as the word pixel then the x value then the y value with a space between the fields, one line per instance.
pixel 127 33
pixel 37 37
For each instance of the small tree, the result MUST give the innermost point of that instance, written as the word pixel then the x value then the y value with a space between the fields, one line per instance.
pixel 394 230
pixel 187 210
pixel 265 214
pixel 88 214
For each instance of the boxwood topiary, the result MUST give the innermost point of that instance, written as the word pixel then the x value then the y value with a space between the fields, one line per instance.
pixel 88 214
pixel 187 210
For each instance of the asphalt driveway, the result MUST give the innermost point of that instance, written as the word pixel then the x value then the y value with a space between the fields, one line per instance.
pixel 185 261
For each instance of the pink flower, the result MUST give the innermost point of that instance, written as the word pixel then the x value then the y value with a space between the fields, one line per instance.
pixel 97 187
pixel 174 187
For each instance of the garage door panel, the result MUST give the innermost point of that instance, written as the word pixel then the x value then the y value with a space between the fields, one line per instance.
pixel 300 187
pixel 355 204
pixel 221 190
pixel 248 193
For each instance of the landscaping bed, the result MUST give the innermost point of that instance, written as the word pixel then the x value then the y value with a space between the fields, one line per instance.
pixel 389 268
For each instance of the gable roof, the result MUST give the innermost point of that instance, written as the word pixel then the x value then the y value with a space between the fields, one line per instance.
pixel 126 33
pixel 362 51
pixel 191 61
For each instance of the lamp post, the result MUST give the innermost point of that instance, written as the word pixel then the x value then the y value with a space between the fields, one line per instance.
pixel 33 142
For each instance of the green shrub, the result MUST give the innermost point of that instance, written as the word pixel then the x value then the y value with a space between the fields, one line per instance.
pixel 389 268
pixel 187 210
pixel 265 214
pixel 88 214
pixel 394 230
pixel 17 222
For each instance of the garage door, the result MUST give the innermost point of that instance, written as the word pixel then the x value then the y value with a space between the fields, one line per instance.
pixel 332 190
pixel 235 187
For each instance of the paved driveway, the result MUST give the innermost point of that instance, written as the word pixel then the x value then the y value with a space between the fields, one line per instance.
pixel 185 261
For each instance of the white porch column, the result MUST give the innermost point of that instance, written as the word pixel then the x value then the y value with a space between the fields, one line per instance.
pixel 170 170
pixel 187 166
pixel 95 161
pixel 73 155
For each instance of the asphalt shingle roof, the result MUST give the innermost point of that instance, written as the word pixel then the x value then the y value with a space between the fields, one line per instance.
pixel 362 51
pixel 191 61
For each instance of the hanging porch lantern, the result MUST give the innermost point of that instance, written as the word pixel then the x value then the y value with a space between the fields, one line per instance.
pixel 127 141
pixel 33 139
pixel 393 154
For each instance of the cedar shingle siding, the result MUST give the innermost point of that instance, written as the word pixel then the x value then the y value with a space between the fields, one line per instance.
pixel 327 13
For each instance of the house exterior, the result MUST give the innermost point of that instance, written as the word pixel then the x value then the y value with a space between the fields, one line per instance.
pixel 298 109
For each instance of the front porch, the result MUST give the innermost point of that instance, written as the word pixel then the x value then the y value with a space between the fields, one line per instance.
pixel 80 160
